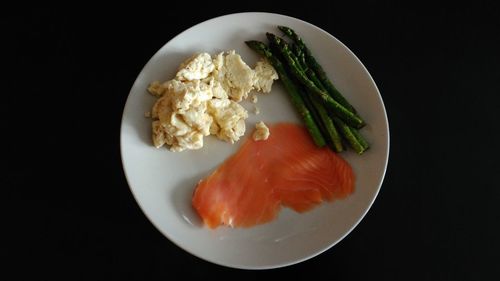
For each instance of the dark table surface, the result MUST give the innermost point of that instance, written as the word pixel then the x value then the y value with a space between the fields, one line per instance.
pixel 70 212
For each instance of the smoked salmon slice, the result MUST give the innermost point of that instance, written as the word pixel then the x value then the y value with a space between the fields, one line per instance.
pixel 287 169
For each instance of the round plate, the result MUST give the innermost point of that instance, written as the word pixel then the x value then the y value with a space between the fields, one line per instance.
pixel 163 182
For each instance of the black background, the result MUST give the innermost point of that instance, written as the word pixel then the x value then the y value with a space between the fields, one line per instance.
pixel 70 214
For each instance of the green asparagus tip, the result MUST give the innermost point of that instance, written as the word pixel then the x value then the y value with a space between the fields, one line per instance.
pixel 272 36
pixel 251 43
pixel 259 47
pixel 284 29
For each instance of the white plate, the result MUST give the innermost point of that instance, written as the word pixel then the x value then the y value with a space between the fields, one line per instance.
pixel 162 182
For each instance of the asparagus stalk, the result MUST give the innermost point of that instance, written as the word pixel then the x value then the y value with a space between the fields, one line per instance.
pixel 301 58
pixel 351 135
pixel 309 104
pixel 348 131
pixel 317 68
pixel 337 142
pixel 327 121
pixel 328 128
pixel 291 89
pixel 348 116
pixel 360 139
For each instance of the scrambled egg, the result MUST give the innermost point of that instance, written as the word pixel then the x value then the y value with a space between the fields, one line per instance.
pixel 198 66
pixel 261 132
pixel 264 76
pixel 182 115
pixel 203 99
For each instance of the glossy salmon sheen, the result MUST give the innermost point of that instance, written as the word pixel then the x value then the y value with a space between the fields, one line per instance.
pixel 287 169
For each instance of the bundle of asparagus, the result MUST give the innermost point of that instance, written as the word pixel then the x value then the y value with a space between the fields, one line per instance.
pixel 328 116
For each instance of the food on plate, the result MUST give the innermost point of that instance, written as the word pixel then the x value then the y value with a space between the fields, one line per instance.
pixel 203 99
pixel 287 170
pixel 264 77
pixel 228 119
pixel 328 116
pixel 256 110
pixel 254 99
pixel 261 132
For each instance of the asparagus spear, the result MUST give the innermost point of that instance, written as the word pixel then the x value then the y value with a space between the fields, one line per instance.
pixel 328 128
pixel 317 68
pixel 301 57
pixel 348 116
pixel 351 134
pixel 355 139
pixel 327 121
pixel 308 103
pixel 360 139
pixel 291 89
